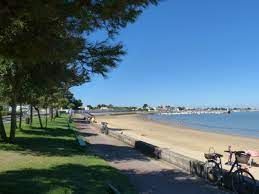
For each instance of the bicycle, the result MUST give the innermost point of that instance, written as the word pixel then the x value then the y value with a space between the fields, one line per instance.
pixel 242 181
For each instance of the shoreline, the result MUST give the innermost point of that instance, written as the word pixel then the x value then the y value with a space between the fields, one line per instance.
pixel 189 142
pixel 185 127
pixel 140 117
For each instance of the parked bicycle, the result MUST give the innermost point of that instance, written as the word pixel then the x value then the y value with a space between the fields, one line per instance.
pixel 104 128
pixel 242 181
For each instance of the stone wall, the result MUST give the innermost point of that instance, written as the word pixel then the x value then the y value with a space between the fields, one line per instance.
pixel 181 161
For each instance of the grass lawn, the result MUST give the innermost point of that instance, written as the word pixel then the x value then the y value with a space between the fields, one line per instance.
pixel 50 161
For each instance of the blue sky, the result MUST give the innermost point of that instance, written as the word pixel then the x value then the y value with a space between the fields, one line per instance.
pixel 185 52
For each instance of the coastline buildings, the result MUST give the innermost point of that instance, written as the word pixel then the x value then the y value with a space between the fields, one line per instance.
pixel 214 110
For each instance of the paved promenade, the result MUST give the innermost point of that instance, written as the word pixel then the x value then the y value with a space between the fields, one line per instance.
pixel 149 176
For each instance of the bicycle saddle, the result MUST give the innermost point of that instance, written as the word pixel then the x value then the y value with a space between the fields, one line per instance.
pixel 218 155
pixel 213 156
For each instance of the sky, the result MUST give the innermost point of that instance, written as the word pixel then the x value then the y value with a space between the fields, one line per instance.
pixel 184 52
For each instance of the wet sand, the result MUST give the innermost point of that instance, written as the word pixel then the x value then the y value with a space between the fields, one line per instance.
pixel 189 142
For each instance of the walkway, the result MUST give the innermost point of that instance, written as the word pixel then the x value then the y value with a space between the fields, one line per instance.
pixel 149 176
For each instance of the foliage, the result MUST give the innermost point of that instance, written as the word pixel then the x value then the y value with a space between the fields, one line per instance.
pixel 90 107
pixel 145 106
pixel 45 47
pixel 72 102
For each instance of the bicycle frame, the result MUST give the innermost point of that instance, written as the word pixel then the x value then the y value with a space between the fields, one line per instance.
pixel 219 175
pixel 218 162
pixel 235 164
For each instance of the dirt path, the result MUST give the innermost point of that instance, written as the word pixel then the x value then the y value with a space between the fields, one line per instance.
pixel 149 176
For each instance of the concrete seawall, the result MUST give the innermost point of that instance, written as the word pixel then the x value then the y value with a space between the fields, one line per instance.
pixel 167 155
pixel 186 163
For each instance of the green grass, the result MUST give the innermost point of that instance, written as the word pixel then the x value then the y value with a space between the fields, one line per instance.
pixel 50 161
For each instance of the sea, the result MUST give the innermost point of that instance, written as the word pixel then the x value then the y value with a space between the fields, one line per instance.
pixel 244 124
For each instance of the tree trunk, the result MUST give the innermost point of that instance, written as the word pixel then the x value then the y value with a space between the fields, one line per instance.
pixel 31 114
pixel 51 113
pixel 13 123
pixel 38 111
pixel 2 129
pixel 57 114
pixel 20 120
pixel 46 121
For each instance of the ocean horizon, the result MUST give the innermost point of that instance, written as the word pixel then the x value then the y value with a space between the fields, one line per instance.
pixel 245 124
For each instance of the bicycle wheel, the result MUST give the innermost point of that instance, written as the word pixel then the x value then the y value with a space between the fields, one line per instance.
pixel 213 171
pixel 243 182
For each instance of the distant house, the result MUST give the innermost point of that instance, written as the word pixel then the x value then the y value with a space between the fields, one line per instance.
pixel 64 110
pixel 84 108
pixel 25 108
pixel 176 109
pixel 104 108
pixel 154 108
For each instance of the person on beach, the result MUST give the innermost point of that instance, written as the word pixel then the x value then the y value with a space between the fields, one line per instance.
pixel 229 162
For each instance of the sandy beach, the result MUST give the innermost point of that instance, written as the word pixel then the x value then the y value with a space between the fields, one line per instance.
pixel 189 142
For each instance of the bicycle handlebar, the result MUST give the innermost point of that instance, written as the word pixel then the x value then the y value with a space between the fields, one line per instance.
pixel 235 152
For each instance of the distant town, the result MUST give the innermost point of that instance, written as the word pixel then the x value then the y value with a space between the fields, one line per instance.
pixel 162 109
pixel 165 109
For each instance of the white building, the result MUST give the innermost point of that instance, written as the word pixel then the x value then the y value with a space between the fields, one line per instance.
pixel 104 108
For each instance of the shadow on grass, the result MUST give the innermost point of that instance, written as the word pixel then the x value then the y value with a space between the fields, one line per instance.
pixel 51 125
pixel 57 132
pixel 70 178
pixel 57 140
pixel 44 146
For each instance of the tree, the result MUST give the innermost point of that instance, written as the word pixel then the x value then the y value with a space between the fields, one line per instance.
pixel 78 103
pixel 181 108
pixel 72 102
pixel 110 106
pixel 145 106
pixel 48 41
pixel 75 103
pixel 2 128
pixel 90 107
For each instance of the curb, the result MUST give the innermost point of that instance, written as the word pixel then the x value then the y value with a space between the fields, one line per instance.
pixel 80 139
